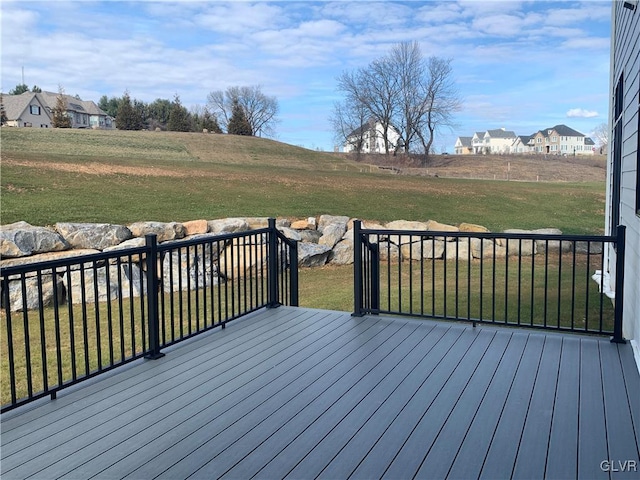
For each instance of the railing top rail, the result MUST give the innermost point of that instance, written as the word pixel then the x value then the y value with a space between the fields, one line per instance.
pixel 6 271
pixel 515 236
pixel 12 270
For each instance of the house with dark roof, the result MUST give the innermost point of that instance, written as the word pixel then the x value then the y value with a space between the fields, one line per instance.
pixel 499 141
pixel 463 146
pixel 83 113
pixel 26 110
pixel 562 140
pixel 477 142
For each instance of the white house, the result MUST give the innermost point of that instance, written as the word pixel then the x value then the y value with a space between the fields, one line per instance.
pixel 522 144
pixel 499 140
pixel 369 138
pixel 463 146
pixel 623 162
pixel 477 142
pixel 26 110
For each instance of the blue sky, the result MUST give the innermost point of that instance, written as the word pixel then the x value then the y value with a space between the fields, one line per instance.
pixel 522 65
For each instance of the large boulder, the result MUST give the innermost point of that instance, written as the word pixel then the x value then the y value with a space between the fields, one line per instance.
pixel 164 231
pixel 486 248
pixel 91 281
pixel 312 254
pixel 518 246
pixel 401 240
pixel 93 235
pixel 428 249
pixel 240 259
pixel 434 226
pixel 21 239
pixel 290 233
pixel 51 288
pixel 326 220
pixel 310 236
pixel 308 224
pixel 389 251
pixel 188 268
pixel 470 227
pixel 342 253
pixel 332 234
pixel 228 225
pixel 195 227
pixel 551 245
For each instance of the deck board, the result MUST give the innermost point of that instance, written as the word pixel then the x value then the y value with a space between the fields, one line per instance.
pixel 302 393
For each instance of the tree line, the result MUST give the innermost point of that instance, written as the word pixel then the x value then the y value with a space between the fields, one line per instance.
pixel 237 111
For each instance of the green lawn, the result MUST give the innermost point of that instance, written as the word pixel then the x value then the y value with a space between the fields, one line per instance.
pixel 122 177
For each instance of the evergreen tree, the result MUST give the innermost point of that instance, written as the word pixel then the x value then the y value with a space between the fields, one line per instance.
pixel 179 120
pixel 210 122
pixel 19 90
pixel 36 89
pixel 238 123
pixel 128 118
pixel 60 118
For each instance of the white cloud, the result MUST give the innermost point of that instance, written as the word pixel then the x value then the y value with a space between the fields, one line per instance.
pixel 581 113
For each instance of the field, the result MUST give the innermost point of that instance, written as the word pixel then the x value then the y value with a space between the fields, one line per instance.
pixel 55 175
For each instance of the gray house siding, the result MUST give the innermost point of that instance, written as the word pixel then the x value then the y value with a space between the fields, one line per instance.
pixel 623 159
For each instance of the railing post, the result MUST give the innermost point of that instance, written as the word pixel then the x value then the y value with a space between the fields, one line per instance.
pixel 293 269
pixel 153 352
pixel 358 310
pixel 619 298
pixel 273 265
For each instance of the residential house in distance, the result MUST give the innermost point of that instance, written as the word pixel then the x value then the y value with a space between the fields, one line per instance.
pixel 83 113
pixel 477 142
pixel 26 110
pixel 369 138
pixel 491 141
pixel 463 146
pixel 623 166
pixel 562 140
pixel 522 144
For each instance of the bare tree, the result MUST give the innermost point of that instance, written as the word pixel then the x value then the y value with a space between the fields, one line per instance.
pixel 348 120
pixel 405 92
pixel 259 109
pixel 601 132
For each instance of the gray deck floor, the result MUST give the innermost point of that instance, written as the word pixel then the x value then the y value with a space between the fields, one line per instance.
pixel 302 393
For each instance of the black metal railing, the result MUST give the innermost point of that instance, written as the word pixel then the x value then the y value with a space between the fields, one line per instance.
pixel 68 320
pixel 524 279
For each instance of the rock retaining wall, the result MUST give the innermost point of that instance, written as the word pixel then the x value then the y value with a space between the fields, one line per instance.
pixel 327 239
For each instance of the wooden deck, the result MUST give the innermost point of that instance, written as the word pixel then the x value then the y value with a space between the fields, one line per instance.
pixel 300 393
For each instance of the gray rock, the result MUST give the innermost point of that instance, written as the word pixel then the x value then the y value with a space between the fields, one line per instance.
pixel 228 225
pixel 92 280
pixel 389 251
pixel 93 235
pixel 164 231
pixel 551 245
pixel 522 247
pixel 310 236
pixel 51 287
pixel 312 254
pixel 290 233
pixel 342 253
pixel 188 268
pixel 486 248
pixel 21 239
pixel 326 220
pixel 430 249
pixel 242 258
pixel 332 234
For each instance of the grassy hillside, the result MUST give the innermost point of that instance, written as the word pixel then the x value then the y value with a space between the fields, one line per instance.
pixel 49 176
